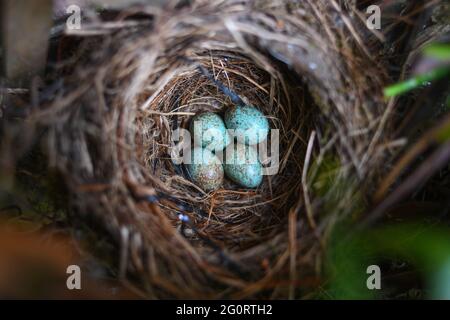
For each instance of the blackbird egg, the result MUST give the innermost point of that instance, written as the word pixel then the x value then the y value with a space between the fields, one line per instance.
pixel 205 169
pixel 250 125
pixel 208 131
pixel 242 165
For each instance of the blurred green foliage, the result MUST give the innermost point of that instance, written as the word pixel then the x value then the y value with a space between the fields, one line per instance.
pixel 438 51
pixel 424 246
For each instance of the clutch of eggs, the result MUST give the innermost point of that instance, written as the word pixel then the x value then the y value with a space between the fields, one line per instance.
pixel 210 135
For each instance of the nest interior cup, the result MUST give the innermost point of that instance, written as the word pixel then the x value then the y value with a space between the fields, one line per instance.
pixel 246 211
pixel 110 137
pixel 234 218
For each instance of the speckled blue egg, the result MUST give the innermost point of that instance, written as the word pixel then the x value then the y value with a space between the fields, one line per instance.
pixel 208 131
pixel 205 169
pixel 250 125
pixel 242 165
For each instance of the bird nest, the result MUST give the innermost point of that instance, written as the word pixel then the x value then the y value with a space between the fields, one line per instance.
pixel 110 132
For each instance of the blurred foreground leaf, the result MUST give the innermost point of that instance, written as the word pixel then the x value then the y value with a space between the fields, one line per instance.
pixel 428 249
pixel 438 51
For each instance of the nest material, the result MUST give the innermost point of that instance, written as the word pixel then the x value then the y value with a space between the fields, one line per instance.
pixel 109 135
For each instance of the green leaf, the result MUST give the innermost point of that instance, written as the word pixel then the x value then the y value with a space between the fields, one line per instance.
pixel 416 82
